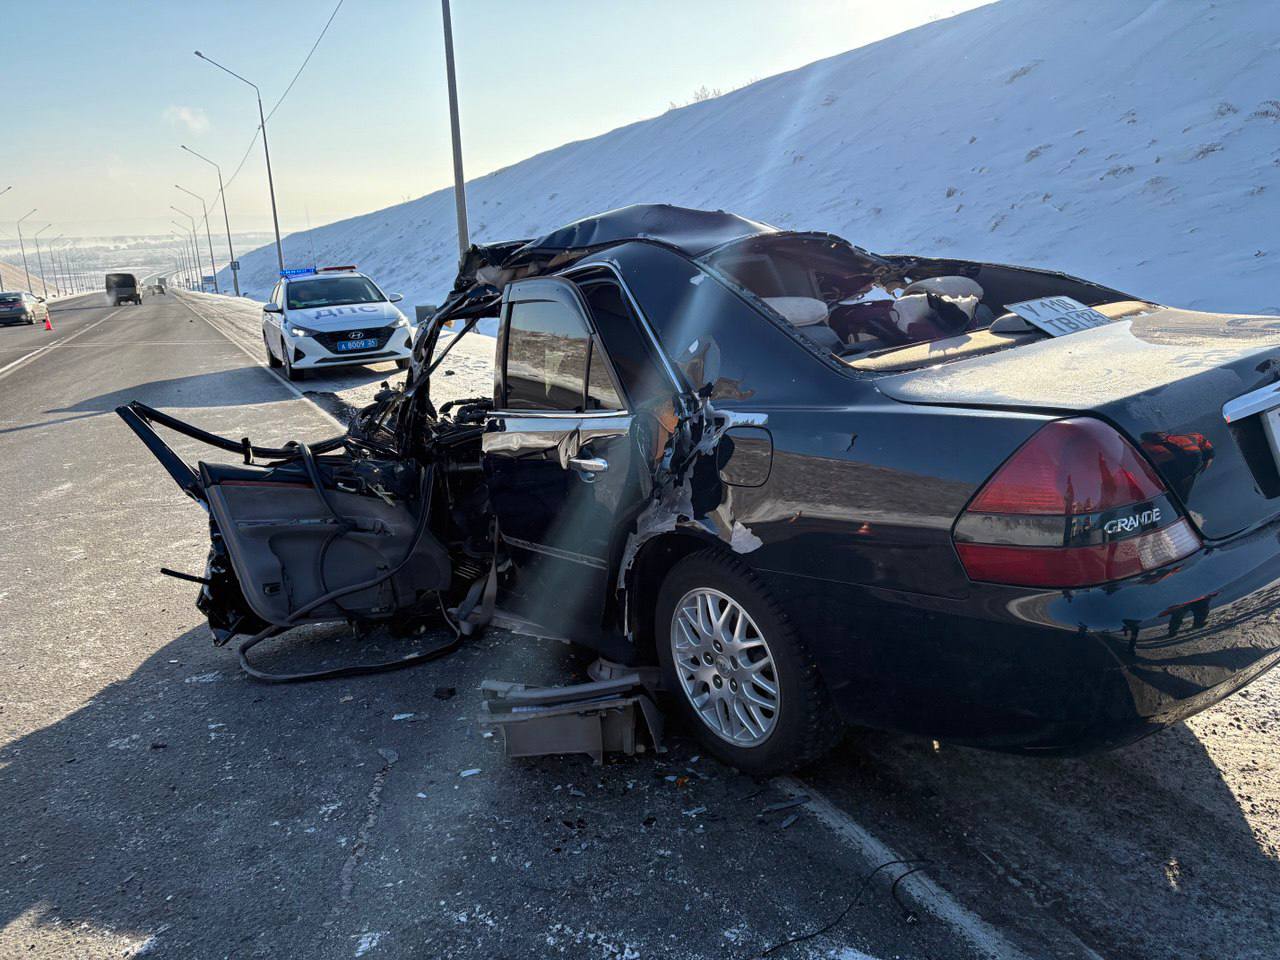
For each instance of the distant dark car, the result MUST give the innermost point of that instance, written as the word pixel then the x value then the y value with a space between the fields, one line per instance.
pixel 21 307
pixel 985 504
pixel 122 288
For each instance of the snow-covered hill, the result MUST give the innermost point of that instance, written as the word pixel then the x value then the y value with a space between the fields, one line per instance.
pixel 1135 142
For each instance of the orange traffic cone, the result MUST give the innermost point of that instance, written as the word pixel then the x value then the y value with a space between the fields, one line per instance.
pixel 47 324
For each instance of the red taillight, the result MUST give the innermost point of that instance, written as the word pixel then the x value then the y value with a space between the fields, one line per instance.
pixel 1075 506
pixel 1070 467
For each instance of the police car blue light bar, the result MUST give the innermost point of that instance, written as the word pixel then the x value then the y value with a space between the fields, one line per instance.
pixel 298 272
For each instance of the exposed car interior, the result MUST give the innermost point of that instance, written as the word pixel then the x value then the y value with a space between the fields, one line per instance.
pixel 869 310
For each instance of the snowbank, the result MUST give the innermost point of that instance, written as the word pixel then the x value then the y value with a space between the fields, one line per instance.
pixel 1135 143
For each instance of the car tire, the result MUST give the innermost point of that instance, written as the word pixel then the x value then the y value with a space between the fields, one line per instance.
pixel 402 363
pixel 291 373
pixel 799 728
pixel 272 362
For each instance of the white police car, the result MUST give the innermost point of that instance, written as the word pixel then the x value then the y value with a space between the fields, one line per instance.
pixel 331 317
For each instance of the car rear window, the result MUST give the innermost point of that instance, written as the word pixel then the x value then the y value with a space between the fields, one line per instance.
pixel 330 292
pixel 10 298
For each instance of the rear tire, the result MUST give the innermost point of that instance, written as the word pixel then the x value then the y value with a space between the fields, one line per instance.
pixel 272 362
pixel 739 720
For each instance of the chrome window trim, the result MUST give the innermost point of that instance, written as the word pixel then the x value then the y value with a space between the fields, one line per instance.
pixel 556 414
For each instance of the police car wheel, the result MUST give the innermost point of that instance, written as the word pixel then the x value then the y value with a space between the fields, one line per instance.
pixel 272 362
pixel 289 370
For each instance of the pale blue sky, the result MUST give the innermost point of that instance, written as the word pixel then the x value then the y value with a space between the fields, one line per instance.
pixel 100 94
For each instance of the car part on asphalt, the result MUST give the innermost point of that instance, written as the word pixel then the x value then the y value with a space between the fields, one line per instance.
pixel 673 421
pixel 598 717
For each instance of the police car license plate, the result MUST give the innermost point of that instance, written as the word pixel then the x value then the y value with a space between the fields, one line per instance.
pixel 344 345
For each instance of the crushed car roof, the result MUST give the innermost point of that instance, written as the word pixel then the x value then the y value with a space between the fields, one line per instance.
pixel 486 268
pixel 693 232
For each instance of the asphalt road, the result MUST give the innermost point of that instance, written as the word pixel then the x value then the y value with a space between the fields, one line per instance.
pixel 157 802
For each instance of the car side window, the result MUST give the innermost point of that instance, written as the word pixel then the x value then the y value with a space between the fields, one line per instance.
pixel 547 353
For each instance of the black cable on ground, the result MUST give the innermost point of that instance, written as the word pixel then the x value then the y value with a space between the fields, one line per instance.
pixel 848 907
pixel 351 670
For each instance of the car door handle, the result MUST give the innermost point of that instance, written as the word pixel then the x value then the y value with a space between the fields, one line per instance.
pixel 589 464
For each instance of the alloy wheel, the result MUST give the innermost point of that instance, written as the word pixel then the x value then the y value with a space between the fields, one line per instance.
pixel 725 667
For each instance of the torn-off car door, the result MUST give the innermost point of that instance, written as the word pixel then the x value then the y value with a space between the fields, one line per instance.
pixel 560 456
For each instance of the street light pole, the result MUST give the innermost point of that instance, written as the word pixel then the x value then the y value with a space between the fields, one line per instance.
pixel 208 236
pixel 459 183
pixel 58 289
pixel 231 254
pixel 195 244
pixel 186 253
pixel 22 246
pixel 262 121
pixel 44 284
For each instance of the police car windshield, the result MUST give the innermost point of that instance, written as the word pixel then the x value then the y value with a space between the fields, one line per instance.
pixel 331 292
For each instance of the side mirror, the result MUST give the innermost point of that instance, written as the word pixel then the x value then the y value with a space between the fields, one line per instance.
pixel 40 299
pixel 271 308
pixel 395 298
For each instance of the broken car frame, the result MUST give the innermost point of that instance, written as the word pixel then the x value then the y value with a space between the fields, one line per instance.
pixel 752 458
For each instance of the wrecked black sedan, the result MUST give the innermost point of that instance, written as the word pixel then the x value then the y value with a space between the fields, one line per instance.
pixel 985 504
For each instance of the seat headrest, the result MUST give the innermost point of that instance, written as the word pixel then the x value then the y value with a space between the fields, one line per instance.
pixel 799 311
pixel 954 287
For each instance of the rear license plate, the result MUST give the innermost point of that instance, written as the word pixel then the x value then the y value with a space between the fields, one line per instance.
pixel 1058 316
pixel 345 345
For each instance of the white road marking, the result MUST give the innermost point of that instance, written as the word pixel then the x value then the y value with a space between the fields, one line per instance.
pixel 13 365
pixel 980 935
pixel 258 363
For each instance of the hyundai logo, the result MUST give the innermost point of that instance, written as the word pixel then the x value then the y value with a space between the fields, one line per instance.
pixel 355 335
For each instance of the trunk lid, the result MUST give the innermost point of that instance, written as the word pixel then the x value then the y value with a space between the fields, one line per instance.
pixel 1162 377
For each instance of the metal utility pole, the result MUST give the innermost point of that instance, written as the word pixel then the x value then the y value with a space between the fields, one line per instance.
pixel 44 284
pixel 262 121
pixel 179 258
pixel 195 244
pixel 208 235
pixel 459 183
pixel 185 237
pixel 23 247
pixel 58 289
pixel 231 254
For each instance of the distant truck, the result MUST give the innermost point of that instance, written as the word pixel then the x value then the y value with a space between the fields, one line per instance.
pixel 123 288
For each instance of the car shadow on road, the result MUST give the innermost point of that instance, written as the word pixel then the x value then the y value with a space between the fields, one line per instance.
pixel 230 389
pixel 226 817
pixel 1143 852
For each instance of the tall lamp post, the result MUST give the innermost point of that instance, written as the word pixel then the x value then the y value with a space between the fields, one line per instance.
pixel 262 121
pixel 459 184
pixel 59 288
pixel 23 247
pixel 184 246
pixel 195 244
pixel 231 254
pixel 177 259
pixel 44 284
pixel 208 236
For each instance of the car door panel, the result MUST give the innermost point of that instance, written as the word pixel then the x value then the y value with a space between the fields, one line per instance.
pixel 288 549
pixel 560 481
